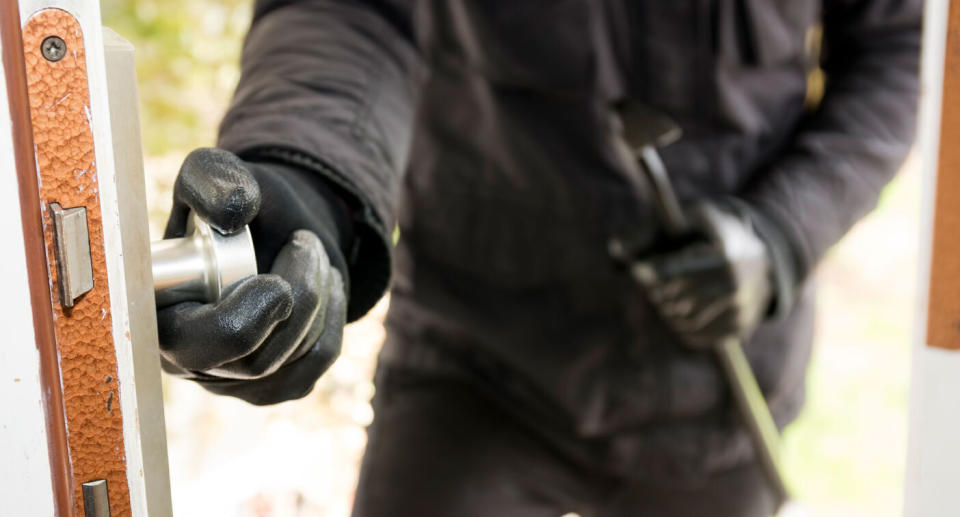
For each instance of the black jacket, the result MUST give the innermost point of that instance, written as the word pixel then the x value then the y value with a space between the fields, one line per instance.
pixel 500 113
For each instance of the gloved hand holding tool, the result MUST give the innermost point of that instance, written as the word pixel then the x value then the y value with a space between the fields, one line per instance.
pixel 714 286
pixel 717 285
pixel 269 336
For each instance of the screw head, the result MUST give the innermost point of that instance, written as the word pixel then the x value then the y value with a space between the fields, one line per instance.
pixel 53 48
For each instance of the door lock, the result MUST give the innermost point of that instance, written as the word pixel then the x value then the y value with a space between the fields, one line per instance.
pixel 201 265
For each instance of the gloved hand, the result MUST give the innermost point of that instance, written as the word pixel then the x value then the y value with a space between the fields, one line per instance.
pixel 271 336
pixel 718 285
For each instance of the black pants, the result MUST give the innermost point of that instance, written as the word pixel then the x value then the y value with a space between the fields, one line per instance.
pixel 438 448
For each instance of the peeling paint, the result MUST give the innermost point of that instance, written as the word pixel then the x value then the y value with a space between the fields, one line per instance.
pixel 36 165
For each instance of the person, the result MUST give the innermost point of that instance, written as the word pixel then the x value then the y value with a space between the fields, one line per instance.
pixel 526 371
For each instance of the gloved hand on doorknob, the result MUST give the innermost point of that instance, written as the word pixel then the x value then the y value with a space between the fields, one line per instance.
pixel 271 336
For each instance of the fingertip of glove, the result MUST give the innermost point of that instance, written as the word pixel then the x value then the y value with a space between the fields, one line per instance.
pixel 643 272
pixel 220 187
pixel 302 249
pixel 240 206
pixel 269 294
pixel 211 158
pixel 306 239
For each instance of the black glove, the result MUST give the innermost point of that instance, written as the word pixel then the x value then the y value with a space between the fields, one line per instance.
pixel 271 336
pixel 718 285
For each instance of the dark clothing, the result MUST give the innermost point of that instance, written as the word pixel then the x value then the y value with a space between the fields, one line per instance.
pixel 437 448
pixel 514 184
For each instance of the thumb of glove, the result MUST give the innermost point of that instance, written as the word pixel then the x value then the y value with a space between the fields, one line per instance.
pixel 216 185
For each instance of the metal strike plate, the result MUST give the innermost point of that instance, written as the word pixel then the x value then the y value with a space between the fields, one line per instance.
pixel 72 243
pixel 96 501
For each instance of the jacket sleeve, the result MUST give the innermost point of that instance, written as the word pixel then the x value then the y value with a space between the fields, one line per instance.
pixel 331 86
pixel 850 147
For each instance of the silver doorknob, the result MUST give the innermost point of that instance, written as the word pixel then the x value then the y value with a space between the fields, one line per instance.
pixel 200 266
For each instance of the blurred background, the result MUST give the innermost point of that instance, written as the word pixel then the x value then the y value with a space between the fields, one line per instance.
pixel 845 455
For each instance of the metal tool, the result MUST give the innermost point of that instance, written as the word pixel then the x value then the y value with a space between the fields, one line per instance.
pixel 645 130
pixel 201 265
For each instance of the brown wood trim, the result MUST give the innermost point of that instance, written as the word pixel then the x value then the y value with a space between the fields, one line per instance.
pixel 943 314
pixel 60 112
pixel 40 302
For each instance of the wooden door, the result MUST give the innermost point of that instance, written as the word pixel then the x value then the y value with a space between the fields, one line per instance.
pixel 85 428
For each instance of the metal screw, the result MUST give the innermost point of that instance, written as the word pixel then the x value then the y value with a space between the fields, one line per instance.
pixel 53 48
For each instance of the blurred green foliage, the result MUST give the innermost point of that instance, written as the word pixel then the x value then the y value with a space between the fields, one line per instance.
pixel 188 53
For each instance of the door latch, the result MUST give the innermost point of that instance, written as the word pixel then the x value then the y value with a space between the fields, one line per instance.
pixel 72 248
